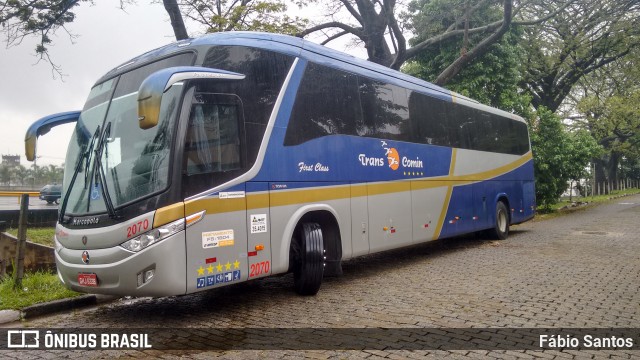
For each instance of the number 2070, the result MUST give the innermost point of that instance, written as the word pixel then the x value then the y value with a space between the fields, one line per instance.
pixel 260 268
pixel 137 228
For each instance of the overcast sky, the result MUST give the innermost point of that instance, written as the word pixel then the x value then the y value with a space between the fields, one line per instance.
pixel 107 37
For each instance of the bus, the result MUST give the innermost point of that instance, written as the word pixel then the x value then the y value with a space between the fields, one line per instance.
pixel 241 155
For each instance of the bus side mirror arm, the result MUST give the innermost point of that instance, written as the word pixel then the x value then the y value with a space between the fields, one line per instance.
pixel 155 85
pixel 42 126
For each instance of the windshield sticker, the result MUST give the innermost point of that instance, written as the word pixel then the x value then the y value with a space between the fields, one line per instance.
pixel 213 239
pixel 112 153
pixel 231 195
pixel 258 223
pixel 95 192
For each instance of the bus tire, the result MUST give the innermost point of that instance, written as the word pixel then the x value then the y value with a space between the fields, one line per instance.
pixel 501 227
pixel 309 260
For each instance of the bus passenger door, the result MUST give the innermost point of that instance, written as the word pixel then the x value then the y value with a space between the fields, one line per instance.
pixel 258 230
pixel 214 153
pixel 217 244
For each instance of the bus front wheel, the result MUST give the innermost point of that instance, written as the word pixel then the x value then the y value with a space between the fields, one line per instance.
pixel 308 267
pixel 501 227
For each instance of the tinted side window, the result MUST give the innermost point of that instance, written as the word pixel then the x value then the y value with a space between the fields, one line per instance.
pixel 371 111
pixel 327 103
pixel 429 118
pixel 391 107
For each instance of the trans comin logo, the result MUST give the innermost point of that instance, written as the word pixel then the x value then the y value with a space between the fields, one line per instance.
pixel 393 159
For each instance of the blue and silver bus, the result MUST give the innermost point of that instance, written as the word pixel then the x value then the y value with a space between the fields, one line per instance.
pixel 236 156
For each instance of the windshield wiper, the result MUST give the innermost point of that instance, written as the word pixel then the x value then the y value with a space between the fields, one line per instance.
pixel 84 157
pixel 101 175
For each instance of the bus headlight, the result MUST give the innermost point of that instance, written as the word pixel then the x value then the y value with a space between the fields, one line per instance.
pixel 151 237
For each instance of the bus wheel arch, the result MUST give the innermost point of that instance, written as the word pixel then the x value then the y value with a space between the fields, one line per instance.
pixel 325 219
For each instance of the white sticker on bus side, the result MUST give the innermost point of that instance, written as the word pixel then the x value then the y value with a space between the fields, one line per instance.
pixel 258 223
pixel 231 195
pixel 212 239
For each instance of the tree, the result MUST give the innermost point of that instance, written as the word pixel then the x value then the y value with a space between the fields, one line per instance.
pixel 586 36
pixel 177 23
pixel 492 79
pixel 5 174
pixel 559 156
pixel 246 15
pixel 40 18
pixel 614 122
pixel 372 21
pixel 19 174
pixel 20 19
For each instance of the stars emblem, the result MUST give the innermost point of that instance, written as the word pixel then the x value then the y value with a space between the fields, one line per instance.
pixel 200 271
pixel 236 264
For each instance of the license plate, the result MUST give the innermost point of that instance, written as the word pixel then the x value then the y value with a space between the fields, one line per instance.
pixel 87 280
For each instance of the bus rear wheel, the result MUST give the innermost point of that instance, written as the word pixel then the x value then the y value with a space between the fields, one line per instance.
pixel 501 227
pixel 308 267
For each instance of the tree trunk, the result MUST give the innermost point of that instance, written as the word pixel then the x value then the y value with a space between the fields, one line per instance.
pixel 601 175
pixel 172 8
pixel 612 169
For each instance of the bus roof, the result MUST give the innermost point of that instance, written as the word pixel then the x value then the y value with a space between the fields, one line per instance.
pixel 294 46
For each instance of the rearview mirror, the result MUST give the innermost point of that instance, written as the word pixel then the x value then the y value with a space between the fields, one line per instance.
pixel 155 85
pixel 42 126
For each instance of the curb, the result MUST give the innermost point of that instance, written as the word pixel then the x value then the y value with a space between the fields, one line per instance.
pixel 7 316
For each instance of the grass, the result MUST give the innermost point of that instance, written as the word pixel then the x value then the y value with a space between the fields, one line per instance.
pixel 42 236
pixel 564 205
pixel 36 288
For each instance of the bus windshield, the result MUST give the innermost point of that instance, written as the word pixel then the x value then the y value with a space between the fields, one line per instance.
pixel 134 163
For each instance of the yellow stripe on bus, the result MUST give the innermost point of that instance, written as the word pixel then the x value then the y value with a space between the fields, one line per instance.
pixel 168 214
pixel 445 203
pixel 214 205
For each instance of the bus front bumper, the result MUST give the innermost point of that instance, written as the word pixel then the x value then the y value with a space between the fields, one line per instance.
pixel 123 273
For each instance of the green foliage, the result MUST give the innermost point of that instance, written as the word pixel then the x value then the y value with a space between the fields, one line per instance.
pixel 491 79
pixel 40 18
pixel 247 15
pixel 36 288
pixel 586 36
pixel 614 121
pixel 34 177
pixel 42 236
pixel 559 156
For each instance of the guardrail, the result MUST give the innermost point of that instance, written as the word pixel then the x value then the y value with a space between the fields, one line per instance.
pixel 19 193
